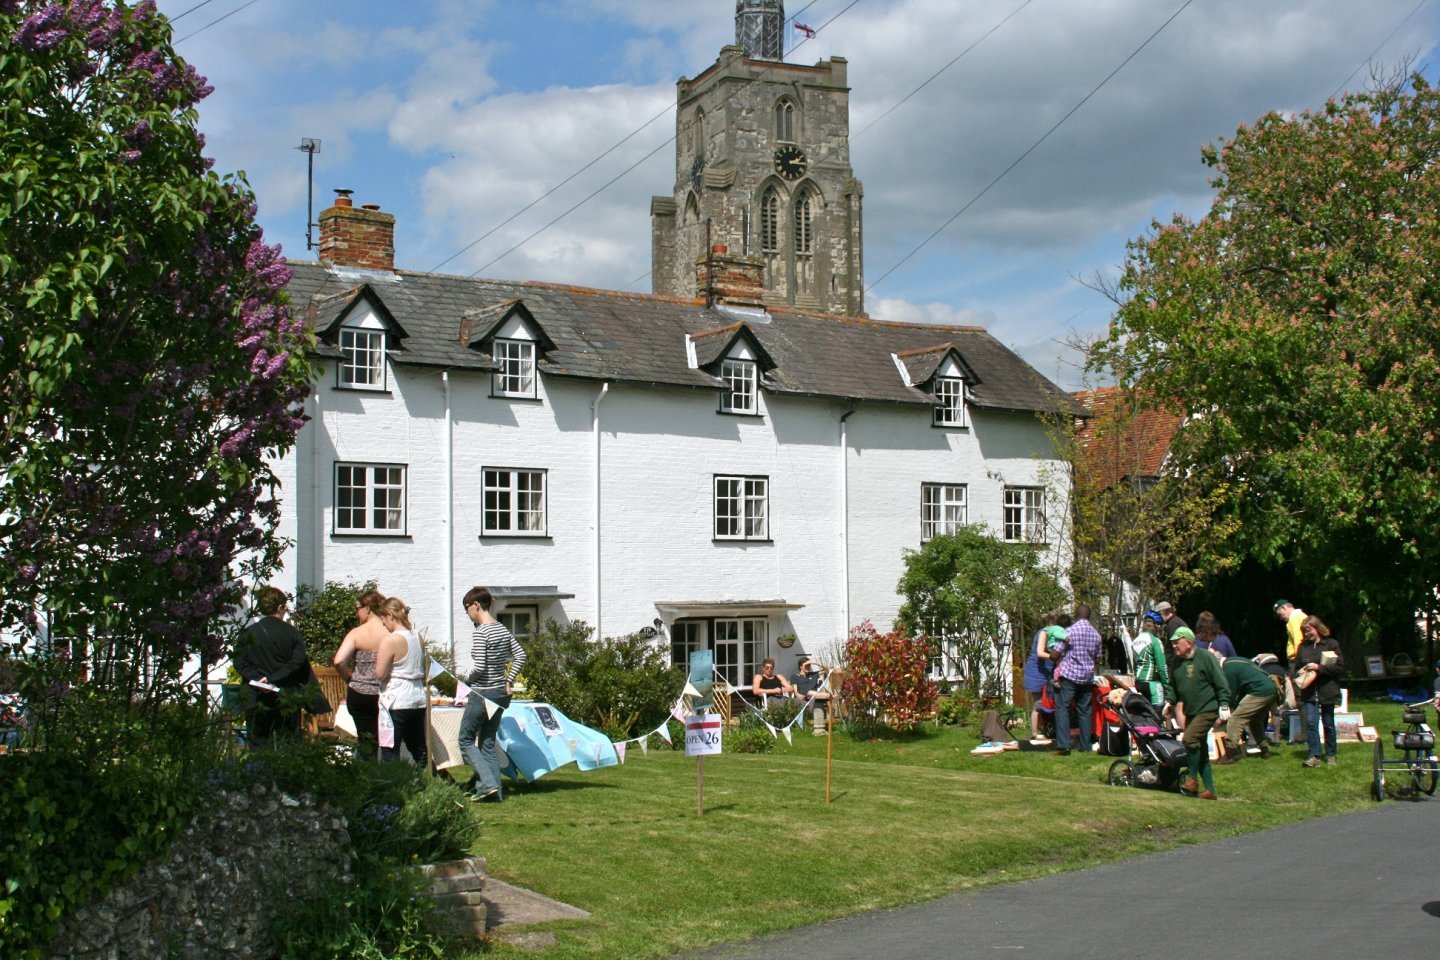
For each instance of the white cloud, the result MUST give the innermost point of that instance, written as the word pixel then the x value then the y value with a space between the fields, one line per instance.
pixel 454 114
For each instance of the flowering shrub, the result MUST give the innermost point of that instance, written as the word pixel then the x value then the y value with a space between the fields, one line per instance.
pixel 151 370
pixel 884 679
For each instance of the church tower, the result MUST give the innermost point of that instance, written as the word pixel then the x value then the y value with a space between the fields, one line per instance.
pixel 762 167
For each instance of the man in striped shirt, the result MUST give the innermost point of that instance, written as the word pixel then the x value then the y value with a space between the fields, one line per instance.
pixel 496 660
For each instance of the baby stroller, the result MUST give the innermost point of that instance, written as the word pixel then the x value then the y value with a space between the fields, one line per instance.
pixel 1158 760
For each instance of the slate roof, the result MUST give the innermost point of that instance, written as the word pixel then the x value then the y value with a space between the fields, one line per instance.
pixel 619 336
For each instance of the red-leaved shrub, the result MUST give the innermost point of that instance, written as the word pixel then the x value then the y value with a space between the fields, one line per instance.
pixel 884 681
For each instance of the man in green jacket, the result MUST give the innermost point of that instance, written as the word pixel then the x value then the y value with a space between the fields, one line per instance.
pixel 1254 693
pixel 1198 688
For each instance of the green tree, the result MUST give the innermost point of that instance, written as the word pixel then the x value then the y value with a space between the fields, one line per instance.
pixel 620 685
pixel 1141 532
pixel 1295 326
pixel 976 593
pixel 149 367
pixel 324 616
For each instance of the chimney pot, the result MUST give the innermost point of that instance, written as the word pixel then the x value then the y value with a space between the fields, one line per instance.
pixel 720 248
pixel 342 198
pixel 369 206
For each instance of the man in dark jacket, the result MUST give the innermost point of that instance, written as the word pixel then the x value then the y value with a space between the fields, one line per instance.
pixel 270 656
pixel 1197 687
pixel 1319 666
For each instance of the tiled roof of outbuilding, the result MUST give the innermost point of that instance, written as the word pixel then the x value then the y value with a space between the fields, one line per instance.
pixel 614 335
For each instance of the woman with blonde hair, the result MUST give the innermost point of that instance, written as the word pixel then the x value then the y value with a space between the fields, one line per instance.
pixel 362 697
pixel 400 668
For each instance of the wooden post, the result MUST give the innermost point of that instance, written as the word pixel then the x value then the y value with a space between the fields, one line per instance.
pixel 829 744
pixel 700 786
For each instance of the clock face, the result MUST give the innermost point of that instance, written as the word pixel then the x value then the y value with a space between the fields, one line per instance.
pixel 790 162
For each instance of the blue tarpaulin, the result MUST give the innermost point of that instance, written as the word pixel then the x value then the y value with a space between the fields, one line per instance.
pixel 537 738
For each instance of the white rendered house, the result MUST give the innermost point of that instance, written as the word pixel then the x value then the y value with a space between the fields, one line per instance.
pixel 723 475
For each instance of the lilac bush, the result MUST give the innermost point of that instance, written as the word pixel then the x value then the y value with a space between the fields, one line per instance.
pixel 150 366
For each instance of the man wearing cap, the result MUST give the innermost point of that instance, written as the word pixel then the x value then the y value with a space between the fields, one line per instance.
pixel 1255 693
pixel 1075 681
pixel 1199 691
pixel 1170 620
pixel 1293 617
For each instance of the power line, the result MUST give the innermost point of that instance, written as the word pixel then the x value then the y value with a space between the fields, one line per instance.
pixel 1029 150
pixel 956 59
pixel 1346 82
pixel 181 16
pixel 895 106
pixel 594 193
pixel 249 3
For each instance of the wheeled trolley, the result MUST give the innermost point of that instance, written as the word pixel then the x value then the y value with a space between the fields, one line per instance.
pixel 1417 769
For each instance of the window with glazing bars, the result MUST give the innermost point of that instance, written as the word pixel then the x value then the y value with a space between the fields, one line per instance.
pixel 741 508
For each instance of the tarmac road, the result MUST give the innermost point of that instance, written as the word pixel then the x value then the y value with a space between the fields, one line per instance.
pixel 1358 885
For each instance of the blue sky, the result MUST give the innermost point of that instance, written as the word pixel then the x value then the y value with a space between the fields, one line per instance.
pixel 455 114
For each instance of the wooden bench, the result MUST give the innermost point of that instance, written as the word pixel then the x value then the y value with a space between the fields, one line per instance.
pixel 335 688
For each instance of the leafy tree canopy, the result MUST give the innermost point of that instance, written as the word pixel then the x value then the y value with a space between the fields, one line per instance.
pixel 975 591
pixel 1295 326
pixel 148 364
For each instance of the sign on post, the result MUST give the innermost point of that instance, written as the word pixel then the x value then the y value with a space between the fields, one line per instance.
pixel 703 734
pixel 702 737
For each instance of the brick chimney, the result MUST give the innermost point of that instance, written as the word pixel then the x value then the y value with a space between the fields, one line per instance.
pixel 724 277
pixel 363 238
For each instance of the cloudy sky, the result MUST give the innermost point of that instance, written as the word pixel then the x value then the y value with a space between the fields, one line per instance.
pixel 457 114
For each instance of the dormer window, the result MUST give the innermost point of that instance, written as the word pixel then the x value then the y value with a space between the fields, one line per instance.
pixel 949 402
pixel 741 386
pixel 363 364
pixel 515 373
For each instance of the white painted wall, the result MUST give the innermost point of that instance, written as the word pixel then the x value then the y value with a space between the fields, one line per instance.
pixel 660 449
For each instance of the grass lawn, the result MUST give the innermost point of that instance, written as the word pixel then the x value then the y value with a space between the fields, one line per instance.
pixel 910 819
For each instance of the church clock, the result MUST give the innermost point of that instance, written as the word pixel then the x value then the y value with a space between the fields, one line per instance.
pixel 790 162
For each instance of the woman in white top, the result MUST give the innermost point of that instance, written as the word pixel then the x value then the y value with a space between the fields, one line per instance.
pixel 400 668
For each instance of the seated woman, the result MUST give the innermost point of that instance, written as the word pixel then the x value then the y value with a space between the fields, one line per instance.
pixel 768 683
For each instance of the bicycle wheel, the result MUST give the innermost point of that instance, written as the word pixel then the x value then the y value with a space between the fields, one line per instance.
pixel 1423 773
pixel 1377 783
pixel 1122 774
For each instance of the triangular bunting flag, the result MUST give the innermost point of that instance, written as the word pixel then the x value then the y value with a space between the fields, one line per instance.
pixel 644 746
pixel 491 707
pixel 690 690
pixel 788 738
pixel 664 731
pixel 773 732
pixel 678 711
pixel 572 744
pixel 620 751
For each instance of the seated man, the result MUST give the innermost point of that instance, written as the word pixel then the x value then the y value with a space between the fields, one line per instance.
pixel 810 684
pixel 768 683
